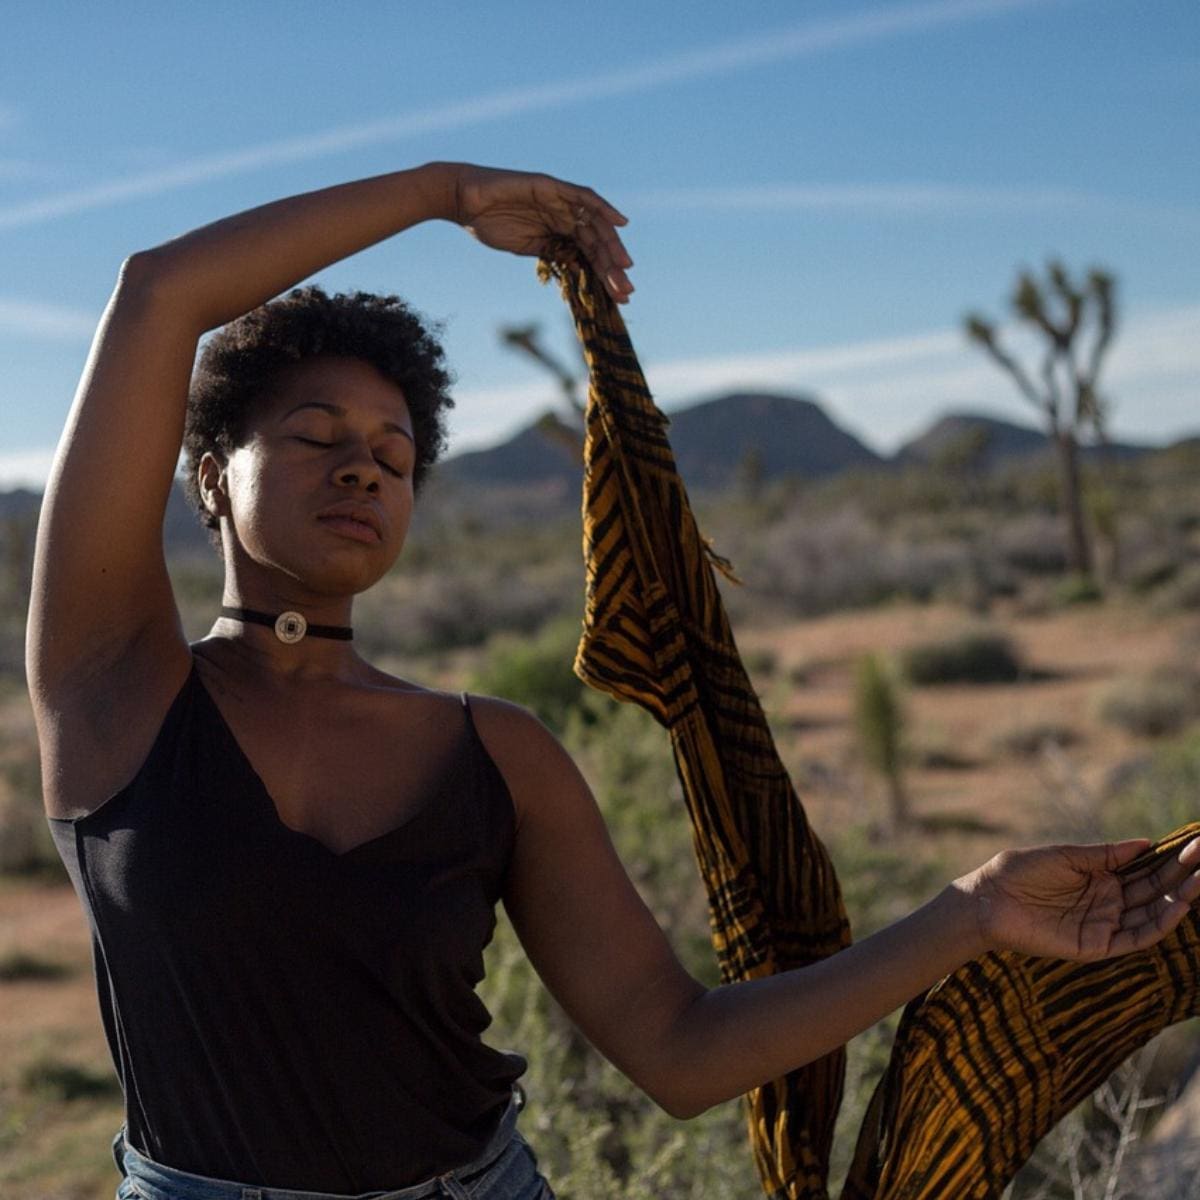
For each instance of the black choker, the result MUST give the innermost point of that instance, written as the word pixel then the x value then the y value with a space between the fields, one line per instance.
pixel 289 626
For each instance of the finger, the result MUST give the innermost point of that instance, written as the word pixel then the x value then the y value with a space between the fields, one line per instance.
pixel 600 255
pixel 596 202
pixel 1105 856
pixel 602 235
pixel 1147 933
pixel 588 209
pixel 1161 879
pixel 1147 914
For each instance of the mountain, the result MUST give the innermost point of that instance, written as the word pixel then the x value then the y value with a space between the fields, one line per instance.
pixel 782 435
pixel 530 457
pixel 20 502
pixel 714 442
pixel 985 442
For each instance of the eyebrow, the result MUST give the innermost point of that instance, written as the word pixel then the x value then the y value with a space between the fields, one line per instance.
pixel 338 411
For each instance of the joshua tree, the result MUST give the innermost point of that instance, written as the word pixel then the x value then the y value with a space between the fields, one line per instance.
pixel 1077 325
pixel 568 431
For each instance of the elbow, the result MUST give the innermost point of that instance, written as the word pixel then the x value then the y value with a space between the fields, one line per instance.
pixel 681 1094
pixel 144 273
pixel 681 1108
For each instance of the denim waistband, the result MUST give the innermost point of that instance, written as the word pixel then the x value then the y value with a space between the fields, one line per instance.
pixel 182 1185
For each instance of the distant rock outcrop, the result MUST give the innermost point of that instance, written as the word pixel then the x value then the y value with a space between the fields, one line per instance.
pixel 528 458
pixel 988 441
pixel 715 443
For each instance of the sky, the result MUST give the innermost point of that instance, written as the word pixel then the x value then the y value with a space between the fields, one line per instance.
pixel 817 192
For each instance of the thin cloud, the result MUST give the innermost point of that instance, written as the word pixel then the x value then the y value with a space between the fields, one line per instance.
pixel 896 199
pixel 811 38
pixel 45 322
pixel 26 468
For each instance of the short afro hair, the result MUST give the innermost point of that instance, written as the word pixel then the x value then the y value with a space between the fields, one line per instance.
pixel 239 361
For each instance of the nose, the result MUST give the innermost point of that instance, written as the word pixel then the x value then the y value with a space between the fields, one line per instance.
pixel 358 469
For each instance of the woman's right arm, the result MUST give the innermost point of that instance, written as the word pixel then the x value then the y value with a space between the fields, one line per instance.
pixel 101 593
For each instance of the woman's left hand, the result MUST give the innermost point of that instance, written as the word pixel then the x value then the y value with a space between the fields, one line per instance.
pixel 1070 901
pixel 524 213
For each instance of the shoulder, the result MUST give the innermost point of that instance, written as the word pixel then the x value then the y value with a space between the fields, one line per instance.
pixel 533 762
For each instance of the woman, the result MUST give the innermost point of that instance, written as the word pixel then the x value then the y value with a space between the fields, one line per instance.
pixel 291 859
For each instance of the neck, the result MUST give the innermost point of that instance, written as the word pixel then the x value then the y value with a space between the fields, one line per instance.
pixel 309 657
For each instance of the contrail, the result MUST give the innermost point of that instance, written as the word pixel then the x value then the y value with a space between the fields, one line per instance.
pixel 781 45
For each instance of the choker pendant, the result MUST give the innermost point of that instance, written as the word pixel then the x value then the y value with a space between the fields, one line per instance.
pixel 290 627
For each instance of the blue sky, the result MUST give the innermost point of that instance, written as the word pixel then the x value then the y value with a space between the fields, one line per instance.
pixel 817 192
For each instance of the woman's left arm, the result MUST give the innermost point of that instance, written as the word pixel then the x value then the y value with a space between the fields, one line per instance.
pixel 601 953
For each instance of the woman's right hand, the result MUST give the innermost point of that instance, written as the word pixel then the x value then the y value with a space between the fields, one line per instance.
pixel 524 213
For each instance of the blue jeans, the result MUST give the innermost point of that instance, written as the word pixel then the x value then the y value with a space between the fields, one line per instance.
pixel 506 1170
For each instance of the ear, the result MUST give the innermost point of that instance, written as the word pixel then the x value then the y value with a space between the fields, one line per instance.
pixel 210 475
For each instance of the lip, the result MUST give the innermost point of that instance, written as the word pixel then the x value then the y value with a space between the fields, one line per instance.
pixel 358 521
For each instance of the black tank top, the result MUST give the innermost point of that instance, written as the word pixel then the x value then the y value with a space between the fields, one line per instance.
pixel 279 1014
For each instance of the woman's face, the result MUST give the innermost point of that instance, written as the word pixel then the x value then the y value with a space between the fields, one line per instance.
pixel 321 488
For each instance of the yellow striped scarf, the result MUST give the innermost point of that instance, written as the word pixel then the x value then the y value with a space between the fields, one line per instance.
pixel 987 1061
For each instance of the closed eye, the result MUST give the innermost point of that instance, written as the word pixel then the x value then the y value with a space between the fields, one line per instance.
pixel 324 445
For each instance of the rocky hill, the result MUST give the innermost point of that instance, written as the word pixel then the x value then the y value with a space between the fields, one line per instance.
pixel 714 442
pixel 985 443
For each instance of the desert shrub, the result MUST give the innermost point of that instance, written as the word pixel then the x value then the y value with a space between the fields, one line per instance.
pixel 1090 1152
pixel 974 656
pixel 1031 738
pixel 1152 705
pixel 1160 797
pixel 818 561
pixel 879 723
pixel 19 965
pixel 1152 574
pixel 26 847
pixel 1032 544
pixel 61 1080
pixel 198 581
pixel 1181 593
pixel 448 607
pixel 536 672
pixel 760 663
pixel 1077 589
pixel 937 756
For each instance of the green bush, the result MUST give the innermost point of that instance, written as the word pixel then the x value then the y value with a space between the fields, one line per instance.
pixel 879 723
pixel 1162 797
pixel 18 966
pixel 68 1081
pixel 972 657
pixel 536 672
